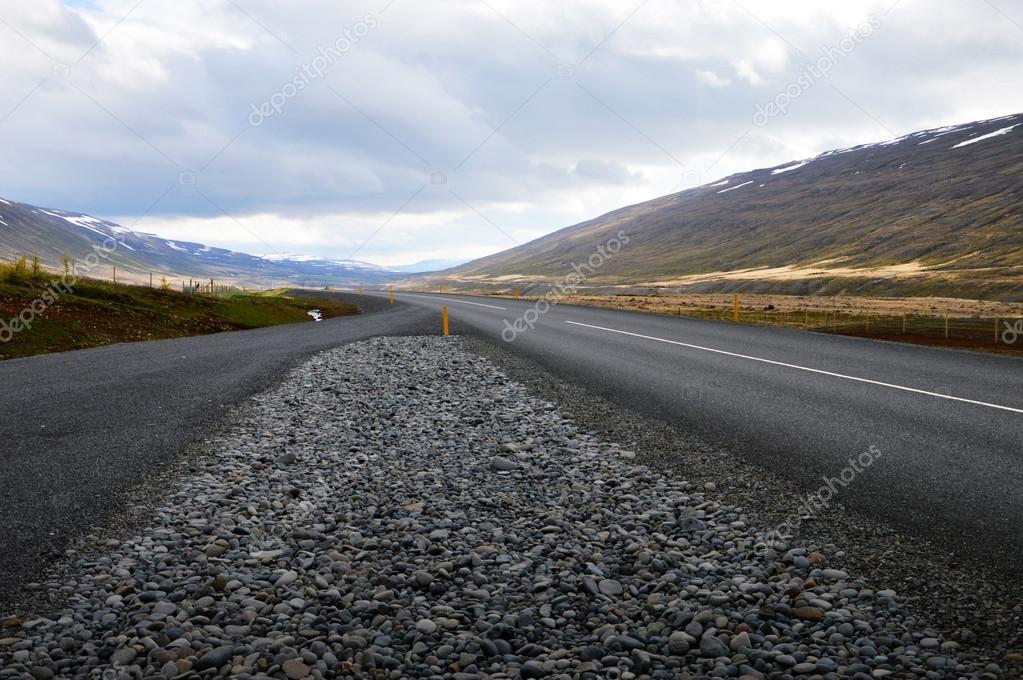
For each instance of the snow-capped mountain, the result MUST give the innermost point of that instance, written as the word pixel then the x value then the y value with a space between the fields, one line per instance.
pixel 313 262
pixel 935 212
pixel 52 234
pixel 426 266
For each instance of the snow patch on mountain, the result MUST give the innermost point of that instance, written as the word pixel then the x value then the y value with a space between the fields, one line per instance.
pixel 737 186
pixel 996 133
pixel 789 168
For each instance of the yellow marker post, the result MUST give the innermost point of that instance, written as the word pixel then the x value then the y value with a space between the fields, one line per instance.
pixel 735 308
pixel 518 293
pixel 392 295
pixel 444 317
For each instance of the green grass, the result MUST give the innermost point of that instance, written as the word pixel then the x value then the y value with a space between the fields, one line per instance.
pixel 99 313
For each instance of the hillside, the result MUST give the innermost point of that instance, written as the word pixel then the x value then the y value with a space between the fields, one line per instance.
pixel 52 234
pixel 96 313
pixel 935 212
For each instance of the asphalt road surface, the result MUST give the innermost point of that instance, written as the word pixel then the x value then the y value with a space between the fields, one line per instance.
pixel 948 424
pixel 79 429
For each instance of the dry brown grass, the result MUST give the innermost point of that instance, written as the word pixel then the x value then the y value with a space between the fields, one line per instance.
pixel 940 322
pixel 670 304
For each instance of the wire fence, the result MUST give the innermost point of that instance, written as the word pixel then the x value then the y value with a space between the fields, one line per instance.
pixel 956 329
pixel 24 269
pixel 210 289
pixel 978 332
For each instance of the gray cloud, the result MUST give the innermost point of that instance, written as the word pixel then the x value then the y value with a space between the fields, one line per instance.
pixel 536 116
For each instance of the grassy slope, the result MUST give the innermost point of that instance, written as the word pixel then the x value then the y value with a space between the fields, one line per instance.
pixel 99 313
pixel 956 210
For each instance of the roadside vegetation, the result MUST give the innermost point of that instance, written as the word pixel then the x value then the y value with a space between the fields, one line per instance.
pixel 39 316
pixel 976 325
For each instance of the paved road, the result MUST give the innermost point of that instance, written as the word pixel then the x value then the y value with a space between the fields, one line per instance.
pixel 949 424
pixel 80 428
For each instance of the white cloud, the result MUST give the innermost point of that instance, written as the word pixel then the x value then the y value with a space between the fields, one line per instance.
pixel 657 101
pixel 713 79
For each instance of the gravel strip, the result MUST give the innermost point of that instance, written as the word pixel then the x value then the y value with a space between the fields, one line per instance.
pixel 400 508
pixel 975 603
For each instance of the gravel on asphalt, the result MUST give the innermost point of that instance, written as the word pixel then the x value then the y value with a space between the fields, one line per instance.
pixel 401 508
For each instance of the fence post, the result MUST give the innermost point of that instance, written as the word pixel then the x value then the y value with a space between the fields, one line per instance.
pixel 946 326
pixel 996 330
pixel 115 274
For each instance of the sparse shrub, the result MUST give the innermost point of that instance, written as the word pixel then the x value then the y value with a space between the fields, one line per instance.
pixel 37 268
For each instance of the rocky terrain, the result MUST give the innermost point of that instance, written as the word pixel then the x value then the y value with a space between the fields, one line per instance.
pixel 400 508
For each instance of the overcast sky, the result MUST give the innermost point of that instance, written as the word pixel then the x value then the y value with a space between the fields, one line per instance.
pixel 405 130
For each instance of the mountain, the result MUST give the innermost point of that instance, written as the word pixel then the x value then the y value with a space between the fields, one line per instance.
pixel 936 212
pixel 52 234
pixel 424 266
pixel 313 266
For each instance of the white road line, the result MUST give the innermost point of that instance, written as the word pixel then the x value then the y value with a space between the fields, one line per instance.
pixel 802 368
pixel 463 302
